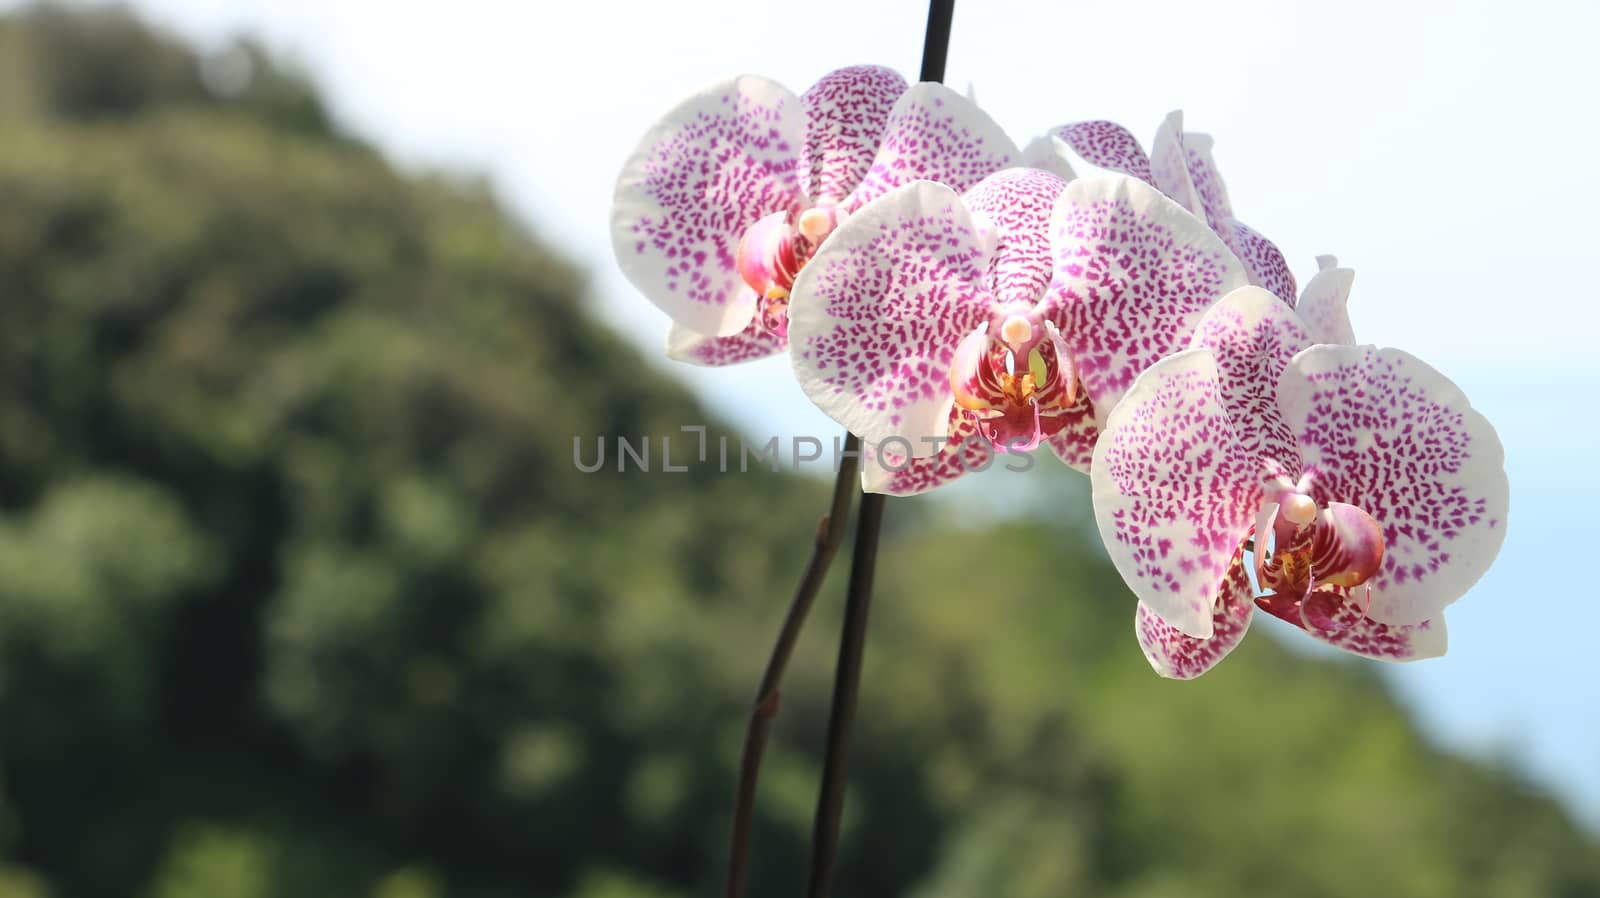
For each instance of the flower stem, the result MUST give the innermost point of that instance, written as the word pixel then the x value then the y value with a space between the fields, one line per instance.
pixel 825 544
pixel 846 686
pixel 936 43
pixel 852 642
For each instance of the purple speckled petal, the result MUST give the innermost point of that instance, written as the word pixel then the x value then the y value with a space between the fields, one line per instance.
pixel 1180 657
pixel 888 471
pixel 716 164
pixel 1348 629
pixel 1169 165
pixel 1174 490
pixel 1048 153
pixel 1207 181
pixel 1015 207
pixel 1134 273
pixel 935 134
pixel 1074 442
pixel 1383 431
pixel 846 113
pixel 1324 303
pixel 1253 337
pixel 1261 257
pixel 876 315
pixel 1108 145
pixel 754 342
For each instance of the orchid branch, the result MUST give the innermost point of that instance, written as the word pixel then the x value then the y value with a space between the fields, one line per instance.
pixel 825 544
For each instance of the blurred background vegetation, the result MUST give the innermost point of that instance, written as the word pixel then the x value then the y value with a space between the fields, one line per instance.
pixel 301 594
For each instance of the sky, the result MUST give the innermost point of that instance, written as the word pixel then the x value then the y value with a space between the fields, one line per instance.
pixel 1441 150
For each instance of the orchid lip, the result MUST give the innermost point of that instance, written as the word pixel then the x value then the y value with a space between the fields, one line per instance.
pixel 1332 549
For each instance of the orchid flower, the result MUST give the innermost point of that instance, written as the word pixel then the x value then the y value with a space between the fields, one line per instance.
pixel 941 328
pixel 1180 165
pixel 1367 490
pixel 728 196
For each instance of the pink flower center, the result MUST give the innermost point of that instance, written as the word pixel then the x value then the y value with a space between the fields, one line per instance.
pixel 1016 387
pixel 1318 559
pixel 771 254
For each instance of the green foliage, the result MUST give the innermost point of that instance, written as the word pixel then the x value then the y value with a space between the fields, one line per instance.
pixel 301 593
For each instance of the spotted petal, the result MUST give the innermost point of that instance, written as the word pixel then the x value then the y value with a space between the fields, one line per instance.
pixel 1134 274
pixel 754 342
pixel 1016 206
pixel 1383 431
pixel 890 471
pixel 1324 303
pixel 935 134
pixel 1253 337
pixel 1108 145
pixel 1178 656
pixel 1169 165
pixel 877 314
pixel 1074 442
pixel 1261 258
pixel 1342 625
pixel 1207 182
pixel 846 113
pixel 717 163
pixel 1175 492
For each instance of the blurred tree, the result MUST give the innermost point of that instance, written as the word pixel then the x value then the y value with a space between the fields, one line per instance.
pixel 302 595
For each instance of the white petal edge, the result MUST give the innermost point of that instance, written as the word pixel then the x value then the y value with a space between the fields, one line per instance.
pixel 1324 303
pixel 1049 153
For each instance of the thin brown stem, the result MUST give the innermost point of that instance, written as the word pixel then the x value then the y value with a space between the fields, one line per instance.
pixel 825 544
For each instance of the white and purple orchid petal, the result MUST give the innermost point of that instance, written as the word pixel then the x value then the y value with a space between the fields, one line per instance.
pixel 1178 656
pixel 1324 303
pixel 1207 182
pixel 1169 166
pixel 1339 622
pixel 934 134
pixel 754 342
pixel 1134 274
pixel 877 314
pixel 846 113
pixel 1253 336
pixel 1175 492
pixel 1383 431
pixel 1074 442
pixel 1017 203
pixel 887 469
pixel 1107 145
pixel 715 165
pixel 1048 153
pixel 1261 258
